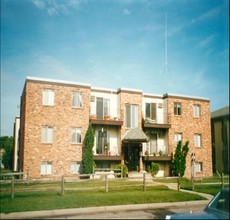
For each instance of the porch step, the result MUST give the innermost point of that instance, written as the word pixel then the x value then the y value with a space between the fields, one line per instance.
pixel 139 175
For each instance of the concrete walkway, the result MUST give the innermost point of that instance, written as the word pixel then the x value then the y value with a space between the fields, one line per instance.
pixel 76 211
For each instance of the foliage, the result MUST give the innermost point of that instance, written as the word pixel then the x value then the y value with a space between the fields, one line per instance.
pixel 154 168
pixel 124 167
pixel 6 143
pixel 88 162
pixel 179 160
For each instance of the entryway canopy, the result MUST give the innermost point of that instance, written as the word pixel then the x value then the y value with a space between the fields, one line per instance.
pixel 135 135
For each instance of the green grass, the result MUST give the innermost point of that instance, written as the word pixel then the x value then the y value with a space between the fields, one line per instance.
pixel 47 195
pixel 120 193
pixel 211 185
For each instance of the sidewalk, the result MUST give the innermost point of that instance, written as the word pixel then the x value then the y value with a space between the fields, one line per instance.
pixel 71 212
pixel 75 211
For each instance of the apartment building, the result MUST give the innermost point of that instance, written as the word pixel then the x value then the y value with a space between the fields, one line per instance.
pixel 220 139
pixel 130 127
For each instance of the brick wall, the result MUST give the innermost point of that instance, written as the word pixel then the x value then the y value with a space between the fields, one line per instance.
pixel 134 98
pixel 62 116
pixel 188 126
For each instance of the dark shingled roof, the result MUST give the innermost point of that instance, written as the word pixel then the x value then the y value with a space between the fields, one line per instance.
pixel 135 135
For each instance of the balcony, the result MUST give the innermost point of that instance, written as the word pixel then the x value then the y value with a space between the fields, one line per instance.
pixel 105 116
pixel 162 121
pixel 107 157
pixel 107 120
pixel 158 157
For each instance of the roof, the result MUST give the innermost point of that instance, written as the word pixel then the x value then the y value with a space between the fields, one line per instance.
pixel 220 112
pixel 31 78
pixel 135 135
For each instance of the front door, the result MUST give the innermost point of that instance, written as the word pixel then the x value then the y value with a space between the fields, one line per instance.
pixel 132 151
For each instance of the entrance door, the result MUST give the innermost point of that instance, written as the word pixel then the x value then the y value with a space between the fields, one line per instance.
pixel 131 154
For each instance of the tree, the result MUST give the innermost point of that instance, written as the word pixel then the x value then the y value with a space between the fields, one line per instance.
pixel 179 160
pixel 88 162
pixel 6 143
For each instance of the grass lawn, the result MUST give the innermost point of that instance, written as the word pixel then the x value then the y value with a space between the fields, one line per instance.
pixel 29 200
pixel 210 185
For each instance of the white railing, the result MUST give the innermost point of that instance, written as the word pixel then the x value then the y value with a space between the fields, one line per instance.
pixel 161 118
pixel 107 114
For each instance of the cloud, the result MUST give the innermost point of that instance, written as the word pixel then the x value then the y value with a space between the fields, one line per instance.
pixel 40 4
pixel 209 14
pixel 205 42
pixel 56 7
pixel 126 11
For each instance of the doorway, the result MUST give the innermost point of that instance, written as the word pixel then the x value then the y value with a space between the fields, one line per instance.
pixel 131 156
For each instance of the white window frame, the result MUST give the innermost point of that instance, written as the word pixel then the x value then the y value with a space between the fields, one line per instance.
pixel 106 107
pixel 196 111
pixel 178 137
pixel 197 140
pixel 76 135
pixel 177 108
pixel 132 113
pixel 77 100
pixel 75 167
pixel 198 167
pixel 46 168
pixel 48 97
pixel 152 108
pixel 47 134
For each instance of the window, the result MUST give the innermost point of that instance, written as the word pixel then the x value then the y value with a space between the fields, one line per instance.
pixel 102 146
pixel 198 167
pixel 196 111
pixel 47 134
pixel 48 97
pixel 177 108
pixel 75 167
pixel 178 137
pixel 197 140
pixel 46 168
pixel 150 110
pixel 103 108
pixel 131 116
pixel 76 135
pixel 153 144
pixel 77 100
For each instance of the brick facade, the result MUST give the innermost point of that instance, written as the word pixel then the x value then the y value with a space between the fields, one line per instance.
pixel 188 126
pixel 62 117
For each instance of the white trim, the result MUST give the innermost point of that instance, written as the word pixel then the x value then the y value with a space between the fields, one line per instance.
pixel 185 96
pixel 57 81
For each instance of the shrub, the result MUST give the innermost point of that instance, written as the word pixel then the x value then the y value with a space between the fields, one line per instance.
pixel 179 160
pixel 125 169
pixel 88 162
pixel 154 168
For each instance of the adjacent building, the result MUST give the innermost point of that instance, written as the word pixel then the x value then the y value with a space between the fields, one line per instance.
pixel 16 144
pixel 220 139
pixel 130 127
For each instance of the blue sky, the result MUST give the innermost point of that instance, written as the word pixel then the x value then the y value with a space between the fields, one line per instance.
pixel 114 44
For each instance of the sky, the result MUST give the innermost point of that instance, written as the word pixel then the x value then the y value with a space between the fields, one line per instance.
pixel 156 46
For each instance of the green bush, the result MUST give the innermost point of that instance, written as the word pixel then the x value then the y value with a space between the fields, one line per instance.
pixel 154 168
pixel 125 169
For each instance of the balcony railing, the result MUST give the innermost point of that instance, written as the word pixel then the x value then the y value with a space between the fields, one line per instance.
pixel 162 120
pixel 108 117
